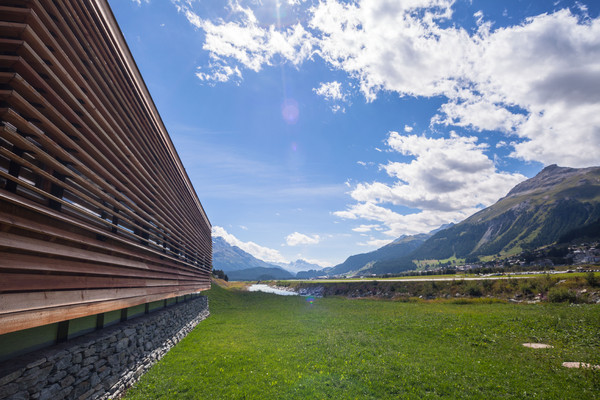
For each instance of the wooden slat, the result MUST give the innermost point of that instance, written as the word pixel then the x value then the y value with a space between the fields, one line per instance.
pixel 16 302
pixel 39 264
pixel 141 250
pixel 10 282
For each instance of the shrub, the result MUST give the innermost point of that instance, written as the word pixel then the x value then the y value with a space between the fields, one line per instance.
pixel 526 288
pixel 544 283
pixel 591 278
pixel 487 284
pixel 220 274
pixel 561 295
pixel 473 289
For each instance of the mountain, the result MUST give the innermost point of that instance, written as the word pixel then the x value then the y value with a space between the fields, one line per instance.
pixel 587 232
pixel 398 249
pixel 534 213
pixel 259 274
pixel 558 204
pixel 231 258
pixel 299 265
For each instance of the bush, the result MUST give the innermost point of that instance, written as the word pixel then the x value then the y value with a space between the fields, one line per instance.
pixel 220 274
pixel 561 295
pixel 591 278
pixel 546 282
pixel 473 289
pixel 526 288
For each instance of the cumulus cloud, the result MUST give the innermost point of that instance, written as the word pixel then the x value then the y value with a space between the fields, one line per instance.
pixel 448 179
pixel 246 42
pixel 367 228
pixel 260 252
pixel 330 91
pixel 296 239
pixel 372 242
pixel 219 73
pixel 538 80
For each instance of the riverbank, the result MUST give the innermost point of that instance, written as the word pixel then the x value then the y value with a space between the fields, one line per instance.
pixel 581 288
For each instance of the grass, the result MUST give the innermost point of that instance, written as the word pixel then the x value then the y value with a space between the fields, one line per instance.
pixel 262 346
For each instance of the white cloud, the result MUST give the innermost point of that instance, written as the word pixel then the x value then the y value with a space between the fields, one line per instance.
pixel 260 252
pixel 538 80
pixel 447 180
pixel 245 41
pixel 296 238
pixel 330 91
pixel 408 128
pixel 367 228
pixel 219 73
pixel 336 107
pixel 375 242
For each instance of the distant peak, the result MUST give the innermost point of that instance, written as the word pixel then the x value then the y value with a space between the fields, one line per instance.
pixel 553 169
pixel 549 176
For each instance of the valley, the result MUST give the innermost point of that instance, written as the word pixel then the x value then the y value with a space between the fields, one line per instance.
pixel 259 345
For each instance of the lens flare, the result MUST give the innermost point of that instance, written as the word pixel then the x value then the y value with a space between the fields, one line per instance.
pixel 290 111
pixel 310 299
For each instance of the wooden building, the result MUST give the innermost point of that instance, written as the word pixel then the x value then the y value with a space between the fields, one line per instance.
pixel 98 218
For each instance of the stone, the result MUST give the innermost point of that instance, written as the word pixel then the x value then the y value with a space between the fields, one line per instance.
pixel 8 390
pixel 67 381
pixel 50 392
pixel 89 360
pixel 110 382
pixel 21 396
pixel 31 372
pixel 11 377
pixel 104 372
pixel 83 372
pixel 58 355
pixel 99 363
pixel 122 344
pixel 66 391
pixel 113 360
pixel 64 362
pixel 81 388
pixel 35 389
pixel 36 363
pixel 90 351
pixel 94 380
pixel 57 376
pixel 86 395
pixel 77 358
pixel 129 332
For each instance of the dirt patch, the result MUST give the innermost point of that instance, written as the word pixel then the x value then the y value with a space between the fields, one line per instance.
pixel 538 345
pixel 577 364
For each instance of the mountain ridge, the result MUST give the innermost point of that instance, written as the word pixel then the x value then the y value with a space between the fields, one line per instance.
pixel 534 213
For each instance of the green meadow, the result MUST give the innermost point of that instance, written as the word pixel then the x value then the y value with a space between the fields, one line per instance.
pixel 263 346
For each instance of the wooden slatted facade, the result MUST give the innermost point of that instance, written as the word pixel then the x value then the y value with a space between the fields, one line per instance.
pixel 97 212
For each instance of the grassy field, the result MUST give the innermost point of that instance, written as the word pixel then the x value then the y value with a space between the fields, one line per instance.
pixel 262 346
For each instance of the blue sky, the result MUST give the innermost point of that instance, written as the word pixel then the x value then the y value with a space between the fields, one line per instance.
pixel 323 129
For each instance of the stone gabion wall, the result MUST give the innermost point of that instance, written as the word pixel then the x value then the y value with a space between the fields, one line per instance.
pixel 102 364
